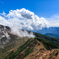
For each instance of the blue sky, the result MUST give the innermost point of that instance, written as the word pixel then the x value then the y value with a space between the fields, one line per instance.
pixel 42 8
pixel 29 14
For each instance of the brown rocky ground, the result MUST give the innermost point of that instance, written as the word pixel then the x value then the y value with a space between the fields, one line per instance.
pixel 40 52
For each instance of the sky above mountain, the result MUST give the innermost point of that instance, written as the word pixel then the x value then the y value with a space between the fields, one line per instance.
pixel 29 14
pixel 42 8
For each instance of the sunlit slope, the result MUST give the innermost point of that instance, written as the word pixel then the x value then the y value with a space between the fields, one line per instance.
pixel 43 42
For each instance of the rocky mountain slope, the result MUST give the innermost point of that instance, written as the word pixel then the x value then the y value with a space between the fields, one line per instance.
pixel 39 52
pixel 38 47
pixel 35 49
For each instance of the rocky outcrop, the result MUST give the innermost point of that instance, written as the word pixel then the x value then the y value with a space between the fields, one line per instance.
pixel 40 52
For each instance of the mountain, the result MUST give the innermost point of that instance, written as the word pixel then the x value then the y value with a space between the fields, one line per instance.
pixel 5 35
pixel 39 47
pixel 8 35
pixel 53 30
pixel 52 35
pixel 27 47
pixel 39 52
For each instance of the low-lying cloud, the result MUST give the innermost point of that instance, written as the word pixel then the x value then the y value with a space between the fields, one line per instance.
pixel 23 33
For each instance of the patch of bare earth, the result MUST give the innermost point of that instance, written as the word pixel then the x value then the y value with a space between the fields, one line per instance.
pixel 40 52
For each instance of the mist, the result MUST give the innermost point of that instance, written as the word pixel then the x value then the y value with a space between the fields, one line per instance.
pixel 21 33
pixel 6 31
pixel 21 19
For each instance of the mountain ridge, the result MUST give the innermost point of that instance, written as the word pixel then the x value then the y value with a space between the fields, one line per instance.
pixel 53 30
pixel 23 47
pixel 52 35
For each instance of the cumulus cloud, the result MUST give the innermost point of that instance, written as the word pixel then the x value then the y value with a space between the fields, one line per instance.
pixel 54 20
pixel 23 19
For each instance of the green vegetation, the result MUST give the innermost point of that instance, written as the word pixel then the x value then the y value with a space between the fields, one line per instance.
pixel 11 46
pixel 56 53
pixel 48 42
pixel 27 47
pixel 48 45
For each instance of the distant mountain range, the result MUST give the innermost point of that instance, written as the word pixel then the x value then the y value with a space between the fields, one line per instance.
pixel 53 30
pixel 52 35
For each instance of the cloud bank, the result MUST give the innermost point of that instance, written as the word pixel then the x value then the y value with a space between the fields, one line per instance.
pixel 25 19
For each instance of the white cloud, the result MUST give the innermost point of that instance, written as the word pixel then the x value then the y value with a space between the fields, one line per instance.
pixel 23 19
pixel 54 20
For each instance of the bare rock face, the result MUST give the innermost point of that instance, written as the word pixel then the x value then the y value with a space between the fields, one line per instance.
pixel 5 35
pixel 4 30
pixel 47 54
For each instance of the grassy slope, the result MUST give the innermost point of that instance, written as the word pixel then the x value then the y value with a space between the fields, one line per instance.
pixel 50 40
pixel 28 46
pixel 11 47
